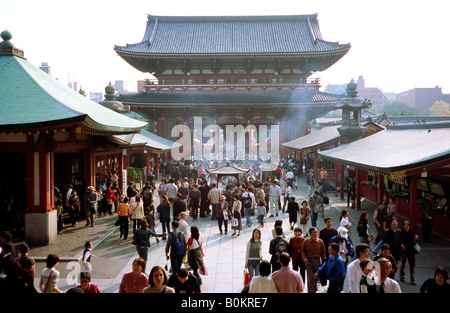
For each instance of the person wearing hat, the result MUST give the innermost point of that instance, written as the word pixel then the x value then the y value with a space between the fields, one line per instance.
pixel 222 213
pixel 345 246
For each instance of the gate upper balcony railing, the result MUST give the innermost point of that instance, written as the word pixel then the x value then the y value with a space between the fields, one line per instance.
pixel 249 83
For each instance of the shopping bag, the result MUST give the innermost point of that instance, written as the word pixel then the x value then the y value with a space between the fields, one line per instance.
pixel 246 277
pixel 203 271
pixel 234 222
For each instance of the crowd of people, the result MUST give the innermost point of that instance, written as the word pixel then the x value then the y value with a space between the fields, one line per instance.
pixel 297 264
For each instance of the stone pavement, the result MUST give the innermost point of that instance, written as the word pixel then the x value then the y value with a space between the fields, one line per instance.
pixel 224 254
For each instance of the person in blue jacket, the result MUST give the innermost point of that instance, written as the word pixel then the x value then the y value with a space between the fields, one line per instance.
pixel 333 269
pixel 346 249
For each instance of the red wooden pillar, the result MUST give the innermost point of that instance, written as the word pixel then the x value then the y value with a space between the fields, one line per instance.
pixel 316 165
pixel 89 158
pixel 380 188
pixel 307 164
pixel 358 188
pixel 342 181
pixel 413 208
pixel 30 174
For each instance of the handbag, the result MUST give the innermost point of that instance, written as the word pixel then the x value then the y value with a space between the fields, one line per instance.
pixel 203 271
pixel 304 219
pixel 417 247
pixel 326 200
pixel 117 223
pixel 48 281
pixel 246 277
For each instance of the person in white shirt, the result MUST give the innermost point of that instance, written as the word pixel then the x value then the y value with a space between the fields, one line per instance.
pixel 387 285
pixel 50 276
pixel 171 190
pixel 354 272
pixel 183 227
pixel 274 197
pixel 263 283
pixel 287 191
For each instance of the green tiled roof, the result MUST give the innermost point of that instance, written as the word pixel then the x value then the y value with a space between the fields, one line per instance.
pixel 293 34
pixel 150 140
pixel 297 96
pixel 31 98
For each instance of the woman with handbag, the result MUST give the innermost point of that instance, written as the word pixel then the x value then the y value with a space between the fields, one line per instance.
pixel 408 239
pixel 304 220
pixel 137 213
pixel 363 230
pixel 110 198
pixel 194 248
pixel 236 214
pixel 222 214
pixel 50 276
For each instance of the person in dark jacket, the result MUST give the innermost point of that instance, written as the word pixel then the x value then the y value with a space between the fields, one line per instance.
pixel 392 237
pixel 184 282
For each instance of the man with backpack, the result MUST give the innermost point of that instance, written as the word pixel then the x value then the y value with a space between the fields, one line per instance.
pixel 277 246
pixel 176 244
pixel 248 202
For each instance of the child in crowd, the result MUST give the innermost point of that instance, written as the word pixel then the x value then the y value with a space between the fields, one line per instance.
pixel 260 211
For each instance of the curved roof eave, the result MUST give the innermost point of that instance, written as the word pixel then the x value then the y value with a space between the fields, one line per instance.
pixel 31 98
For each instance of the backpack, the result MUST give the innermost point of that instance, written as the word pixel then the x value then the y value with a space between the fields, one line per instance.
pixel 247 202
pixel 281 246
pixel 179 246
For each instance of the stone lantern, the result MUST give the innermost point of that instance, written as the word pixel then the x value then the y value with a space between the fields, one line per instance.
pixel 110 101
pixel 351 106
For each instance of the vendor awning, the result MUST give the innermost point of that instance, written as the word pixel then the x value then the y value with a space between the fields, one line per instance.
pixel 393 150
pixel 228 169
pixel 149 140
pixel 316 139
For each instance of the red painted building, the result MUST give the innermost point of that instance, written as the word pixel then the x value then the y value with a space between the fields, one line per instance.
pixel 48 135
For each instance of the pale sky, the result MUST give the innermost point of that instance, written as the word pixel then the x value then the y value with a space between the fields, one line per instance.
pixel 396 45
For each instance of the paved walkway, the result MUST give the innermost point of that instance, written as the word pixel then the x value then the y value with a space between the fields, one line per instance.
pixel 224 254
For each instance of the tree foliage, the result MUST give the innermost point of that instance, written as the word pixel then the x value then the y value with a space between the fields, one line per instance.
pixel 440 108
pixel 398 108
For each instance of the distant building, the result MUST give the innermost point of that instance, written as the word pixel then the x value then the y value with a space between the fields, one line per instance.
pixel 422 98
pixel 376 96
pixel 336 89
pixel 96 96
pixel 46 68
pixel 120 86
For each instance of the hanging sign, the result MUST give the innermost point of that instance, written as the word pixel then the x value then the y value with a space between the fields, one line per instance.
pixel 397 175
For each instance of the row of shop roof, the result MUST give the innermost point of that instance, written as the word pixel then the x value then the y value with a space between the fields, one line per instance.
pixel 402 145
